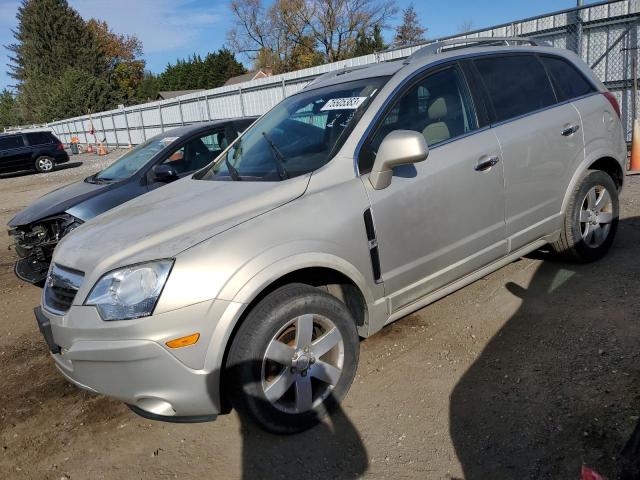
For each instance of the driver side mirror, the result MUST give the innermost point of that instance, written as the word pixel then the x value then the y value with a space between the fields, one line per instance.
pixel 400 147
pixel 164 173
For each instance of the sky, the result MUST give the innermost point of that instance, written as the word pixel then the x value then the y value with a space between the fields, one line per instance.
pixel 172 29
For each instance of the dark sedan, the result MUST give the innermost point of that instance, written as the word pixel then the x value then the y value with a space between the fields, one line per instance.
pixel 176 153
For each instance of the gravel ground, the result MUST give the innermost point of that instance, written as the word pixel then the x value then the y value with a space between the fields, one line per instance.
pixel 527 373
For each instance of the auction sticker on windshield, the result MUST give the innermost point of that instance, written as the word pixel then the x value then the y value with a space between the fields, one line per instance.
pixel 348 103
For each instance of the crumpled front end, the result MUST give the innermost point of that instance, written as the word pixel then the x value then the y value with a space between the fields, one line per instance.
pixel 34 244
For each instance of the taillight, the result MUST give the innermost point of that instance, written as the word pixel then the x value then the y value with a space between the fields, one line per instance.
pixel 60 147
pixel 614 102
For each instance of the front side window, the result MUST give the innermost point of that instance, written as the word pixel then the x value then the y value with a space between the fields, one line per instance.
pixel 438 106
pixel 516 84
pixel 299 135
pixel 570 82
pixel 198 152
pixel 14 141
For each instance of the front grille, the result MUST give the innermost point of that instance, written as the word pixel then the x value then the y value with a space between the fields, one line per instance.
pixel 61 288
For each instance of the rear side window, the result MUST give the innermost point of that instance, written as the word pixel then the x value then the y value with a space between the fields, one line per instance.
pixel 568 79
pixel 516 84
pixel 40 138
pixel 15 141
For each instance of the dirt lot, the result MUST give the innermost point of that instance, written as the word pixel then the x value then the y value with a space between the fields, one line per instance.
pixel 528 373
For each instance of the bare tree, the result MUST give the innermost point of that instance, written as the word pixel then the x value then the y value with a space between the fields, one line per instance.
pixel 465 26
pixel 409 32
pixel 292 33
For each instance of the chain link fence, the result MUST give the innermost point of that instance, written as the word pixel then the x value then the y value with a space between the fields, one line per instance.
pixel 604 34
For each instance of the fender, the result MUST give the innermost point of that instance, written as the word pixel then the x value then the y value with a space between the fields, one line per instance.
pixel 597 150
pixel 281 263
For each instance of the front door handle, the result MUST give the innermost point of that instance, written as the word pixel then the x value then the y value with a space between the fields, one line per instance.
pixel 486 163
pixel 570 130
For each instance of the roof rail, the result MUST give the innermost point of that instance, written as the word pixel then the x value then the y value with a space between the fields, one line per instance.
pixel 458 43
pixel 336 73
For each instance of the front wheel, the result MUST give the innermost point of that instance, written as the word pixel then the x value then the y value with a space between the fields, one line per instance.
pixel 44 164
pixel 591 218
pixel 292 360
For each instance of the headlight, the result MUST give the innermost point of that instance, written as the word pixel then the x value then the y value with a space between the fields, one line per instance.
pixel 130 292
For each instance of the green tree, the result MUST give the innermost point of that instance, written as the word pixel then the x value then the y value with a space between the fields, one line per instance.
pixel 369 42
pixel 194 72
pixel 76 92
pixel 52 38
pixel 9 115
pixel 409 32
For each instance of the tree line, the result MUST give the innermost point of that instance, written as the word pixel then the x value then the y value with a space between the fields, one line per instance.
pixel 65 66
pixel 293 34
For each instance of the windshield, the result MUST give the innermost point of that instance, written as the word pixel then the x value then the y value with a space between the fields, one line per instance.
pixel 298 136
pixel 132 161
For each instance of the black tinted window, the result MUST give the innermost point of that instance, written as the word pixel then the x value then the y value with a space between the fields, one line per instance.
pixel 14 141
pixel 517 85
pixel 569 81
pixel 39 138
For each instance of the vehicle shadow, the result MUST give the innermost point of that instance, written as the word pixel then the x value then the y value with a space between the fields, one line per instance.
pixel 24 173
pixel 559 385
pixel 332 449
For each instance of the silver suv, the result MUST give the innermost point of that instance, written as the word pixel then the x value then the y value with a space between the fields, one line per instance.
pixel 362 198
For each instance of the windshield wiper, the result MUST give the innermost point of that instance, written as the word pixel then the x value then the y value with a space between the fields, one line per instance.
pixel 233 171
pixel 277 156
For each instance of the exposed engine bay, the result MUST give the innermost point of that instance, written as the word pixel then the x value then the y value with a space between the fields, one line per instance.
pixel 34 244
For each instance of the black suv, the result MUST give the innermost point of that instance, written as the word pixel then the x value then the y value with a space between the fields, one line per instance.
pixel 39 151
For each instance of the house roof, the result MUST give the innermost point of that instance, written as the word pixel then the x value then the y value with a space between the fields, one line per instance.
pixel 176 93
pixel 247 77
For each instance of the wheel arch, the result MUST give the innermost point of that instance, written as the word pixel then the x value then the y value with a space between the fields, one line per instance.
pixel 334 275
pixel 601 159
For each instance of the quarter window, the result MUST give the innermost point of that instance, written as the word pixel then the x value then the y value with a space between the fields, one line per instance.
pixel 570 82
pixel 517 85
pixel 39 138
pixel 438 106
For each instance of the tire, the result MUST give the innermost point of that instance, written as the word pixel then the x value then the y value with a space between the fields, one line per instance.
pixel 44 164
pixel 287 395
pixel 591 219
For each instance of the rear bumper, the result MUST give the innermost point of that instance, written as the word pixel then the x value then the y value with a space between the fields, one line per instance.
pixel 61 156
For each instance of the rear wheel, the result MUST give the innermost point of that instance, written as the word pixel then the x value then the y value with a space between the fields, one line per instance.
pixel 44 164
pixel 293 359
pixel 591 219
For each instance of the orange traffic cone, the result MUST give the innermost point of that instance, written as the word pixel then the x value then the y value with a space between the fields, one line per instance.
pixel 89 148
pixel 101 149
pixel 634 166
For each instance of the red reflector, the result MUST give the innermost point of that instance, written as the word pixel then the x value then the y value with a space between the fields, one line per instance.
pixel 60 146
pixel 614 102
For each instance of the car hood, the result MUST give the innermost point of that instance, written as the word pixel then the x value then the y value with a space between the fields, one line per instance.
pixel 169 220
pixel 56 202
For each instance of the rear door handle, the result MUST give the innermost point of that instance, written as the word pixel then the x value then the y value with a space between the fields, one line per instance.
pixel 570 130
pixel 486 163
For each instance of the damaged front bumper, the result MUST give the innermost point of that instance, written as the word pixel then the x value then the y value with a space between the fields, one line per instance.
pixel 34 244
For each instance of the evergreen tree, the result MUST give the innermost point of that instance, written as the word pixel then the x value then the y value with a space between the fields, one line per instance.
pixel 194 73
pixel 367 43
pixel 9 116
pixel 410 31
pixel 51 38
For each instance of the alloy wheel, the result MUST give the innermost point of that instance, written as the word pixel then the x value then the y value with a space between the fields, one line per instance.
pixel 302 363
pixel 596 216
pixel 45 164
